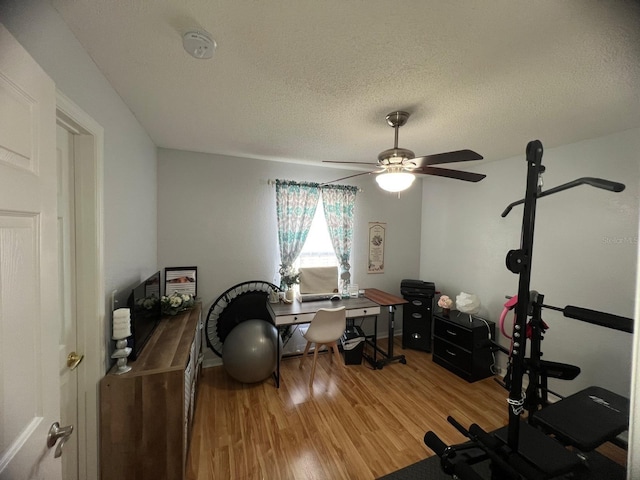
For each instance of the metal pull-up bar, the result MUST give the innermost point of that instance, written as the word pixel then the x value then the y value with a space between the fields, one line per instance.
pixel 594 182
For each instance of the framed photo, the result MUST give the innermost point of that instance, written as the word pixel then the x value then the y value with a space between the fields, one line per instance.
pixel 377 231
pixel 181 280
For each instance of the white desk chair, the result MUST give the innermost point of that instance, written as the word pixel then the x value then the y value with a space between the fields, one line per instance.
pixel 326 328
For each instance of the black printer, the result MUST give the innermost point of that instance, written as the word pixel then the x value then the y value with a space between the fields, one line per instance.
pixel 417 288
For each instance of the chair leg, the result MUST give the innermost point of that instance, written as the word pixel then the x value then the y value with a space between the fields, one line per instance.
pixel 313 367
pixel 304 355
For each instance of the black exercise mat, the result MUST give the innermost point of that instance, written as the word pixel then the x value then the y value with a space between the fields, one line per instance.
pixel 600 468
pixel 424 469
pixel 429 469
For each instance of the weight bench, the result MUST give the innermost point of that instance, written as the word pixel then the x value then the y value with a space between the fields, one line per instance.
pixel 586 419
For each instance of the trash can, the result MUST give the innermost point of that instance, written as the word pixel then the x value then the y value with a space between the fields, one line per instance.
pixel 352 343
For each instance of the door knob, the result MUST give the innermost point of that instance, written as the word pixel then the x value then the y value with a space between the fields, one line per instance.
pixel 56 432
pixel 73 360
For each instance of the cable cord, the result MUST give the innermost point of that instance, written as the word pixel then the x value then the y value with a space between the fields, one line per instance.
pixel 493 355
pixel 488 328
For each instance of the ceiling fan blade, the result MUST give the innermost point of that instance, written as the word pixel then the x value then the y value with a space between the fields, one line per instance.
pixel 344 178
pixel 444 172
pixel 358 163
pixel 448 157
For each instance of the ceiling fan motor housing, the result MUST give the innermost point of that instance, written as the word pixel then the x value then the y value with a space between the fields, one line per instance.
pixel 395 155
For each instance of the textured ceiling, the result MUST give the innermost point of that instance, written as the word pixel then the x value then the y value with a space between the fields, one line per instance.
pixel 307 80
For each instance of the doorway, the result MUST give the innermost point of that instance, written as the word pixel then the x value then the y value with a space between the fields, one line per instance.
pixel 81 139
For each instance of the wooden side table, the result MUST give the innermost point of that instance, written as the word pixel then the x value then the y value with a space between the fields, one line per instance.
pixel 385 299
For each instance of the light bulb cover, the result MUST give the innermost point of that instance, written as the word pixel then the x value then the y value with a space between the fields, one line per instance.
pixel 395 181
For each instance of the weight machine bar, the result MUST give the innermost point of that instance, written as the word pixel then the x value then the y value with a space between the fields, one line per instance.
pixel 602 319
pixel 516 400
pixel 594 182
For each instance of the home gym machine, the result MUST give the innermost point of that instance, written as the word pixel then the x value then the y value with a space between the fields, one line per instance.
pixel 538 448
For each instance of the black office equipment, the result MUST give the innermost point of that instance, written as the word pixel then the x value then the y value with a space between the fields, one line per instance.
pixel 417 314
pixel 417 288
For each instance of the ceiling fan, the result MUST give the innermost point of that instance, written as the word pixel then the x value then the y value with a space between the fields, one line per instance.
pixel 398 166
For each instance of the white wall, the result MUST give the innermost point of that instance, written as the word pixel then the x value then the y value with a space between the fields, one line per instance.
pixel 130 168
pixel 584 252
pixel 218 213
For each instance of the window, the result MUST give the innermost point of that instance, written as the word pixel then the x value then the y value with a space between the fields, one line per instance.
pixel 294 204
pixel 317 250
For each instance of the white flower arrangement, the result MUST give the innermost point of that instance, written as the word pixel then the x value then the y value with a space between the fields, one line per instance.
pixel 176 303
pixel 289 276
pixel 445 302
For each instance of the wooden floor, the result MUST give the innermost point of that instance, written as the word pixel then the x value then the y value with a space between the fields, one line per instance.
pixel 355 423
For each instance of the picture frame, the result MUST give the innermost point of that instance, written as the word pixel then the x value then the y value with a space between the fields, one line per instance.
pixel 181 280
pixel 377 233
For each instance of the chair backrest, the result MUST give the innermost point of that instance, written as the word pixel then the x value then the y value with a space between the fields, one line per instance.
pixel 327 325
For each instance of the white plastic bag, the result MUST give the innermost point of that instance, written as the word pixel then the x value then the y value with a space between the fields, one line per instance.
pixel 467 303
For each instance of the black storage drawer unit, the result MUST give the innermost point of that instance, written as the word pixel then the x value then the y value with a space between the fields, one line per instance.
pixel 462 346
pixel 416 323
pixel 460 359
pixel 417 314
pixel 454 333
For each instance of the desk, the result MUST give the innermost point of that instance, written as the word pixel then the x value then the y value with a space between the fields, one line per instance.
pixel 284 314
pixel 385 300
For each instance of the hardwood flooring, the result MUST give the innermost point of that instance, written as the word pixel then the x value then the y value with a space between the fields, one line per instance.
pixel 355 423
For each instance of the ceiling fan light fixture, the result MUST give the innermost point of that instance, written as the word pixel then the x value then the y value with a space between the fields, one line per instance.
pixel 395 181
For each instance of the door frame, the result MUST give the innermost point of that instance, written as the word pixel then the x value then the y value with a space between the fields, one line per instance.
pixel 90 288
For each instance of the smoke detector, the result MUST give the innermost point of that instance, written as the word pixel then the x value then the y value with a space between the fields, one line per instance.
pixel 199 44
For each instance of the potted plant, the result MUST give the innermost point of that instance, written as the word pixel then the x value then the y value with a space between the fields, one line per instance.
pixel 289 277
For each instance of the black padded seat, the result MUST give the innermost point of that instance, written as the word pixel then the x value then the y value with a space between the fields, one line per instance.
pixel 586 419
pixel 546 455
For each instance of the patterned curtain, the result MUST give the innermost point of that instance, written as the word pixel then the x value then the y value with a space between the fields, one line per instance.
pixel 339 202
pixel 295 207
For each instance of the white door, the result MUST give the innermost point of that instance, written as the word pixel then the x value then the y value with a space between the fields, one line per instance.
pixel 68 357
pixel 29 310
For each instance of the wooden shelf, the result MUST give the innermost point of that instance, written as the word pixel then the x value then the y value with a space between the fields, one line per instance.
pixel 146 413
